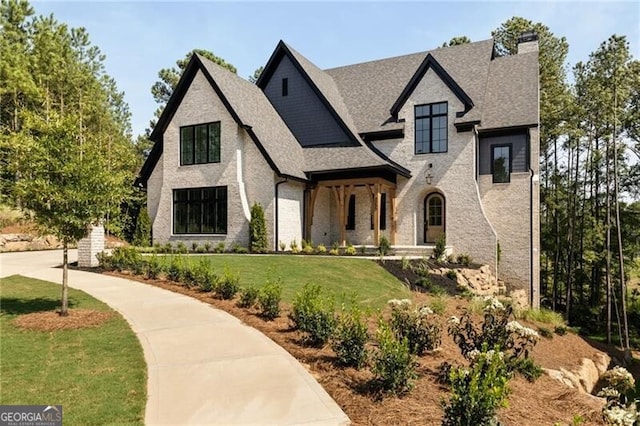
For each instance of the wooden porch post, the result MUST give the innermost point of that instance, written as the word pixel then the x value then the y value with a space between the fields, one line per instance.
pixel 376 215
pixel 394 215
pixel 338 191
pixel 312 201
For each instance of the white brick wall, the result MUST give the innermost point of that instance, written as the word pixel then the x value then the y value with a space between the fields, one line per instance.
pixel 201 105
pixel 90 246
pixel 467 229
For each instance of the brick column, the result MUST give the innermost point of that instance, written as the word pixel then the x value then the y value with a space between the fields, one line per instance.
pixel 90 246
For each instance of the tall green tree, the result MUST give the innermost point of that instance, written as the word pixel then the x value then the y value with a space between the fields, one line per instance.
pixel 456 41
pixel 256 75
pixel 169 77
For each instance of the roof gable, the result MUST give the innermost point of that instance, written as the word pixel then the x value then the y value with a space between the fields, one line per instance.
pixel 321 83
pixel 250 110
pixel 431 63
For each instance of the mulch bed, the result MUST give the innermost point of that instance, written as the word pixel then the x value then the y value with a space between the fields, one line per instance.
pixel 52 320
pixel 530 404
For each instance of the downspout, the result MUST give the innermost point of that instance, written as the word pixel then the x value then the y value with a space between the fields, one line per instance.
pixel 531 290
pixel 275 233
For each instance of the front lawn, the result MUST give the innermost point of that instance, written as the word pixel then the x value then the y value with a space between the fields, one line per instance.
pixel 97 374
pixel 340 276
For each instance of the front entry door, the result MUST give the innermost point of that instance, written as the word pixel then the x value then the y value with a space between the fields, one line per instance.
pixel 433 217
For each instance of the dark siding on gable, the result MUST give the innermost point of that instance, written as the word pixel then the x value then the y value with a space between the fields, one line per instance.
pixel 306 116
pixel 518 152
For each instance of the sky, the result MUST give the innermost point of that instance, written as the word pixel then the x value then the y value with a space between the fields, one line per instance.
pixel 141 37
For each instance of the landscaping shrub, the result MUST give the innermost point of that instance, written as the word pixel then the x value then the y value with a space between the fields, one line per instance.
pixel 282 245
pixel 414 325
pixel 238 249
pixel 313 314
pixel 424 282
pixel 181 248
pixel 168 248
pixel 176 270
pixel 622 399
pixel 406 263
pixel 497 331
pixel 477 391
pixel 207 247
pixel 384 246
pixel 350 339
pixel 307 247
pixel 452 275
pixel 334 252
pixel 545 332
pixel 440 247
pixel 438 305
pixel 269 300
pixel 394 368
pixel 560 330
pixel 142 234
pixel 104 261
pixel 126 259
pixel 527 368
pixel 257 230
pixel 228 285
pixel 154 267
pixel 219 248
pixel 248 297
pixel 464 259
pixel 350 250
pixel 194 247
pixel 294 247
pixel 321 249
pixel 203 276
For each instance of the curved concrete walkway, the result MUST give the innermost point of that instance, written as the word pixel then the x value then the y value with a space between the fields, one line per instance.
pixel 204 365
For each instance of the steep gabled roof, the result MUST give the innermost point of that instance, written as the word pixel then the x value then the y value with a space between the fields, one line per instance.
pixel 371 89
pixel 249 108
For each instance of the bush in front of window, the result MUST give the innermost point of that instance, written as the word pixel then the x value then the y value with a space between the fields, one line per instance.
pixel 257 230
pixel 440 248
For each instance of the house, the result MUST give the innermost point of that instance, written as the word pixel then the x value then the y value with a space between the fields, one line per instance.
pixel 415 147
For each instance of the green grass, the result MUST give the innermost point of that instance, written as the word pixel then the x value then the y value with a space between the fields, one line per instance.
pixel 341 277
pixel 98 374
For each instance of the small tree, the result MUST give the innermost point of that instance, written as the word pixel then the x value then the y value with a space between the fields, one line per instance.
pixel 68 180
pixel 257 230
pixel 142 236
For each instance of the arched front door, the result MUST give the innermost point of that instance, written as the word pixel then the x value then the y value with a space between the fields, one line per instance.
pixel 434 217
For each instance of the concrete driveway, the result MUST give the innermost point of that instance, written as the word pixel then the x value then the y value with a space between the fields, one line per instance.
pixel 204 365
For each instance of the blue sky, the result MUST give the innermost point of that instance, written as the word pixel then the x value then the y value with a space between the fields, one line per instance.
pixel 141 37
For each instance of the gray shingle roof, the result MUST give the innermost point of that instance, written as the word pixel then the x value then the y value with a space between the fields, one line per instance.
pixel 370 89
pixel 512 92
pixel 254 109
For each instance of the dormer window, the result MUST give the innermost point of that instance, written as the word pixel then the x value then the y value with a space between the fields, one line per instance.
pixel 431 128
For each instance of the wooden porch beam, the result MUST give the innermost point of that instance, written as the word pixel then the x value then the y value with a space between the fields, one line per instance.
pixel 310 207
pixel 394 215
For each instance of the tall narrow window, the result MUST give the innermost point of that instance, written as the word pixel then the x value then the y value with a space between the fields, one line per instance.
pixel 200 210
pixel 200 144
pixel 285 87
pixel 383 212
pixel 501 163
pixel 351 215
pixel 431 128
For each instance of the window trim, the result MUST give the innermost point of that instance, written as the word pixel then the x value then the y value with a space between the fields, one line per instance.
pixel 510 167
pixel 430 118
pixel 175 203
pixel 193 143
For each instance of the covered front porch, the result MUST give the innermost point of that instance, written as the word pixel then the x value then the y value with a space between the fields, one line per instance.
pixel 355 210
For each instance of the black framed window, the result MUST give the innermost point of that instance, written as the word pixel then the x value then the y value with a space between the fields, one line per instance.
pixel 200 144
pixel 383 212
pixel 501 163
pixel 200 210
pixel 351 213
pixel 431 128
pixel 285 87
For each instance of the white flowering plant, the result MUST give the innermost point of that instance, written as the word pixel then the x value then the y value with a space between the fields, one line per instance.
pixel 420 326
pixel 497 330
pixel 621 408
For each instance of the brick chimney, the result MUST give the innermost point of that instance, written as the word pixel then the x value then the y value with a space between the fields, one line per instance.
pixel 528 42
